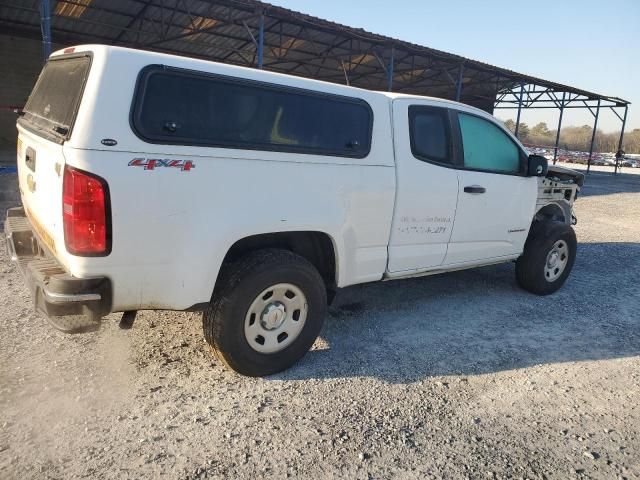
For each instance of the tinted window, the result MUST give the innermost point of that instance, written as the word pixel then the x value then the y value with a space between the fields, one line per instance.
pixel 429 133
pixel 199 109
pixel 486 146
pixel 54 101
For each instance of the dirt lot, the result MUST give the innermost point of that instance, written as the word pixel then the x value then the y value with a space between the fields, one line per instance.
pixel 459 375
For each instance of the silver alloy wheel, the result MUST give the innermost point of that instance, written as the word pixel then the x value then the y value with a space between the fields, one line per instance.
pixel 556 261
pixel 275 318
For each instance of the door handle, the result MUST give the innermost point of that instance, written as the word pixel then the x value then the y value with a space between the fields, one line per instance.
pixel 474 189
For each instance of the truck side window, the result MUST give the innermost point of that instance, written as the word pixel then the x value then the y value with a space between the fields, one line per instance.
pixel 175 106
pixel 430 134
pixel 487 147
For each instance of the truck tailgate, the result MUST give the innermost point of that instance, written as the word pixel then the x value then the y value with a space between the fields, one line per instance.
pixel 40 167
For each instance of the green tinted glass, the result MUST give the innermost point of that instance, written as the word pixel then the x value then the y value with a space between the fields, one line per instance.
pixel 487 147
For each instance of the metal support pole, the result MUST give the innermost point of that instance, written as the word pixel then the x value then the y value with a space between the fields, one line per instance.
pixel 593 136
pixel 261 41
pixel 45 27
pixel 390 69
pixel 346 75
pixel 624 122
pixel 555 150
pixel 459 86
pixel 519 108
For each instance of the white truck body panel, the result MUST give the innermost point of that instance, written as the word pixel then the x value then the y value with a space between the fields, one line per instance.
pixel 423 216
pixel 39 189
pixel 180 226
pixel 495 223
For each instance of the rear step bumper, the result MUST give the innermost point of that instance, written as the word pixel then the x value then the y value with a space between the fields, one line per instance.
pixel 71 304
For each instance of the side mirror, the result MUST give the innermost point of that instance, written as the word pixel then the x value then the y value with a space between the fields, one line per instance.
pixel 537 166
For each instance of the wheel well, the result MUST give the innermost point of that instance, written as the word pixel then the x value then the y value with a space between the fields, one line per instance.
pixel 551 212
pixel 316 247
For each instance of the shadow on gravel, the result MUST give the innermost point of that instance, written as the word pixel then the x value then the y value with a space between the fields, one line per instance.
pixel 479 321
pixel 605 183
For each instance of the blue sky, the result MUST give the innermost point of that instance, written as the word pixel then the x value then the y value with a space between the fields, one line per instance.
pixel 593 45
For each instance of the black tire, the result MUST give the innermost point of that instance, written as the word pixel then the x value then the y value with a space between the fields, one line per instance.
pixel 530 267
pixel 239 285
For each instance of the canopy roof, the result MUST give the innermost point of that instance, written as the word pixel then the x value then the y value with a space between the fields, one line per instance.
pixel 252 33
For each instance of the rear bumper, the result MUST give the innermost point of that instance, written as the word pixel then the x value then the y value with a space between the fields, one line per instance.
pixel 71 304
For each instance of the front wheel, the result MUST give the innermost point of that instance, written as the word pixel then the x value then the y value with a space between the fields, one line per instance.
pixel 266 313
pixel 548 257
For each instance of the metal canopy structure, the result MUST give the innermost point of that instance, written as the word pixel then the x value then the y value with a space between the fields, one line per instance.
pixel 260 35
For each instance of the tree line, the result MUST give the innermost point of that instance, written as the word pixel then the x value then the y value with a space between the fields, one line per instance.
pixel 576 138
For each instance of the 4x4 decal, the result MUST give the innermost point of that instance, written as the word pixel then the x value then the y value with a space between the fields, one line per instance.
pixel 153 163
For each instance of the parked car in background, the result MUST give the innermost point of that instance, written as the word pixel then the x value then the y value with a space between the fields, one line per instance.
pixel 630 162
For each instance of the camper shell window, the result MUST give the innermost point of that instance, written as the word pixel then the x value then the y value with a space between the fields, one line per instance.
pixel 175 106
pixel 53 104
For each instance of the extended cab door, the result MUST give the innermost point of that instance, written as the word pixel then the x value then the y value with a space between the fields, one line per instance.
pixel 427 185
pixel 496 201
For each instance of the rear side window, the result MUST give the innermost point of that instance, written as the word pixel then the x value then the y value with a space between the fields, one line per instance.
pixel 487 147
pixel 430 134
pixel 54 101
pixel 179 107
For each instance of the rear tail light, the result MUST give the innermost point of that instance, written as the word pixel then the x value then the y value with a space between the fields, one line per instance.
pixel 85 213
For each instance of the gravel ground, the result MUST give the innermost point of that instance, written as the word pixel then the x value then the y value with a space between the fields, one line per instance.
pixel 458 375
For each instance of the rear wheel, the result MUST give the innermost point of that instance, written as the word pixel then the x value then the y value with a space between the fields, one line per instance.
pixel 266 312
pixel 548 257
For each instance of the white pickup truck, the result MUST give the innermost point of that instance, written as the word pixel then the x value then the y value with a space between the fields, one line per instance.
pixel 151 181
